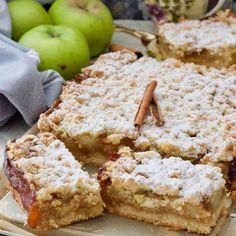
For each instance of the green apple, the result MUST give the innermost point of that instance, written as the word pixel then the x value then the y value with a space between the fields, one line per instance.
pixel 60 47
pixel 25 15
pixel 91 17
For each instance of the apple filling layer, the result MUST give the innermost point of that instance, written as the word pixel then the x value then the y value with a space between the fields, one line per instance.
pixel 220 59
pixel 232 178
pixel 49 183
pixel 170 192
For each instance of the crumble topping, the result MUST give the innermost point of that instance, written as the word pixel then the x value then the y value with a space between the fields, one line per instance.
pixel 109 63
pixel 213 34
pixel 147 171
pixel 50 168
pixel 104 104
pixel 198 106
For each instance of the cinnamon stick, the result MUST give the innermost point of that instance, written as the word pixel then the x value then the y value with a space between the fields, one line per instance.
pixel 144 105
pixel 156 111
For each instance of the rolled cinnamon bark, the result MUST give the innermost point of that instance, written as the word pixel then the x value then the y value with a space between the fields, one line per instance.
pixel 144 105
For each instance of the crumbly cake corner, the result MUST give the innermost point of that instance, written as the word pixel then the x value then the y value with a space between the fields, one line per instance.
pixel 210 42
pixel 213 33
pixel 49 183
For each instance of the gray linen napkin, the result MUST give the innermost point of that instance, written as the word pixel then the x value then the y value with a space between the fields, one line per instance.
pixel 5 19
pixel 22 87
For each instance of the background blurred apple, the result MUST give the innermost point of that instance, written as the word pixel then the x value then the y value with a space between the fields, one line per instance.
pixel 61 48
pixel 25 15
pixel 91 17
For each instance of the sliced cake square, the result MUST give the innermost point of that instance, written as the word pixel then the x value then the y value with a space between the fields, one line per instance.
pixel 49 183
pixel 169 192
pixel 210 42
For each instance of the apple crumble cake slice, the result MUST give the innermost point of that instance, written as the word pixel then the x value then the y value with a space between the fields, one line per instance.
pixel 49 183
pixel 210 42
pixel 169 192
pixel 95 117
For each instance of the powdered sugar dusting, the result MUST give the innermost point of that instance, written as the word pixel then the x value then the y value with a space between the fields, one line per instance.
pixel 213 34
pixel 198 106
pixel 109 63
pixel 165 177
pixel 49 167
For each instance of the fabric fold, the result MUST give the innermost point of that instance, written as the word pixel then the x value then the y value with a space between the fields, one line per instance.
pixel 22 87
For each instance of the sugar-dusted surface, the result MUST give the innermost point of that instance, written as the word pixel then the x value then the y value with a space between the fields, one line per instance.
pixel 49 167
pixel 148 172
pixel 198 106
pixel 109 63
pixel 105 105
pixel 214 34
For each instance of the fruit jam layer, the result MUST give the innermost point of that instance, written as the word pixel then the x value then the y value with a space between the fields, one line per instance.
pixel 19 184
